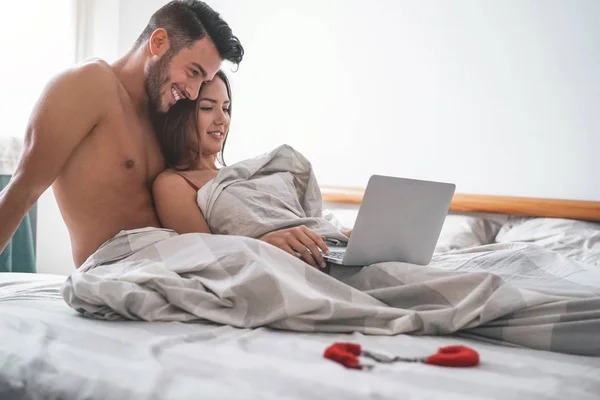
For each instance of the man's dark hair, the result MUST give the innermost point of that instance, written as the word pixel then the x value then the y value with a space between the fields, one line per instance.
pixel 187 21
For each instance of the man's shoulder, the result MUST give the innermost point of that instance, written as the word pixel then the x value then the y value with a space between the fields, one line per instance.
pixel 93 73
pixel 92 78
pixel 95 67
pixel 86 92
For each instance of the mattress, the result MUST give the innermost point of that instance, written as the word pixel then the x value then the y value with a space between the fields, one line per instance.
pixel 49 351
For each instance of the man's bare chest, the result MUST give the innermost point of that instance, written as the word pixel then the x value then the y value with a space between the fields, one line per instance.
pixel 122 148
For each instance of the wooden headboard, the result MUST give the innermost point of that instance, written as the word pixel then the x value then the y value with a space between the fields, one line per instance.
pixel 526 206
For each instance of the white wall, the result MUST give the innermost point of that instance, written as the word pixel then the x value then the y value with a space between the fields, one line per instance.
pixel 500 97
pixel 38 41
pixel 98 29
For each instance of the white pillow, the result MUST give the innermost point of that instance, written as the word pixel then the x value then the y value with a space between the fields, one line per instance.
pixel 579 240
pixel 461 231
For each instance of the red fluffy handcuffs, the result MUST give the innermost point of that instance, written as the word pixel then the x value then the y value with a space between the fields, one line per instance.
pixel 450 356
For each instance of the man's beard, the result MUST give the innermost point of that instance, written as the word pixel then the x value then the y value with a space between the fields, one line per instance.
pixel 156 76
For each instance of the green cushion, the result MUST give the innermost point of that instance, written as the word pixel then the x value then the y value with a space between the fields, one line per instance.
pixel 19 254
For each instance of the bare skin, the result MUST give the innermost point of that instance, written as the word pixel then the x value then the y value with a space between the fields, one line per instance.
pixel 180 212
pixel 176 199
pixel 90 137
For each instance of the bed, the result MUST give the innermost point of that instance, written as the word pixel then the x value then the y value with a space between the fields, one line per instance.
pixel 570 227
pixel 49 351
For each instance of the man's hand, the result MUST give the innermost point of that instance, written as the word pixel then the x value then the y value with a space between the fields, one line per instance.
pixel 299 240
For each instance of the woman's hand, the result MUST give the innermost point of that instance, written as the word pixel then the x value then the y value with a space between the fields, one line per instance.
pixel 300 240
pixel 348 232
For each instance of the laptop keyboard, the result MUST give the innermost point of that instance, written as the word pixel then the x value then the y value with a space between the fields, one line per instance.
pixel 336 254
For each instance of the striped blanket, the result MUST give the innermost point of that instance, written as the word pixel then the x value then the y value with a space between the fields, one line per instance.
pixel 508 293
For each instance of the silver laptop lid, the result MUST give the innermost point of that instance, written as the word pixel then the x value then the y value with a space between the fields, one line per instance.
pixel 399 220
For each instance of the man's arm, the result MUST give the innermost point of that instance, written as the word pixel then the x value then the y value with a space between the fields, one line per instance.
pixel 68 109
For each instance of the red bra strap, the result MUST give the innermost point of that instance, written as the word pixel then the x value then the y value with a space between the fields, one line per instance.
pixel 196 188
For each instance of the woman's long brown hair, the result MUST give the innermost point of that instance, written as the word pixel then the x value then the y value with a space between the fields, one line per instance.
pixel 180 149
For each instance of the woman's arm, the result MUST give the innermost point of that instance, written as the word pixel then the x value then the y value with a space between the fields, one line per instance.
pixel 176 206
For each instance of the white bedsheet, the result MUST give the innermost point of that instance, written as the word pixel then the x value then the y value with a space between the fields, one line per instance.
pixel 47 350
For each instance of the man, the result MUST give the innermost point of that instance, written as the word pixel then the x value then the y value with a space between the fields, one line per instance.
pixel 91 134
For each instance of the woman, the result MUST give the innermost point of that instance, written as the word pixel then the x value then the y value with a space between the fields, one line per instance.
pixel 193 141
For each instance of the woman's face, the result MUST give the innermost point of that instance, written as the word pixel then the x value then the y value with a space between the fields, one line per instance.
pixel 213 116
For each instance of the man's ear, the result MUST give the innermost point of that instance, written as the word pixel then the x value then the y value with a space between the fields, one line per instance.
pixel 159 42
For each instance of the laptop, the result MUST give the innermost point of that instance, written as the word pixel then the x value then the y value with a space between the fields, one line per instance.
pixel 399 220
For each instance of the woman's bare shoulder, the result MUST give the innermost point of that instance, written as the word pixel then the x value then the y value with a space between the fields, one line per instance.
pixel 169 179
pixel 201 177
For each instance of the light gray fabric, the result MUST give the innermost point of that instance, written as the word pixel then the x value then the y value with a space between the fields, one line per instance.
pixel 579 240
pixel 516 294
pixel 463 231
pixel 273 191
pixel 48 351
pixel 495 292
